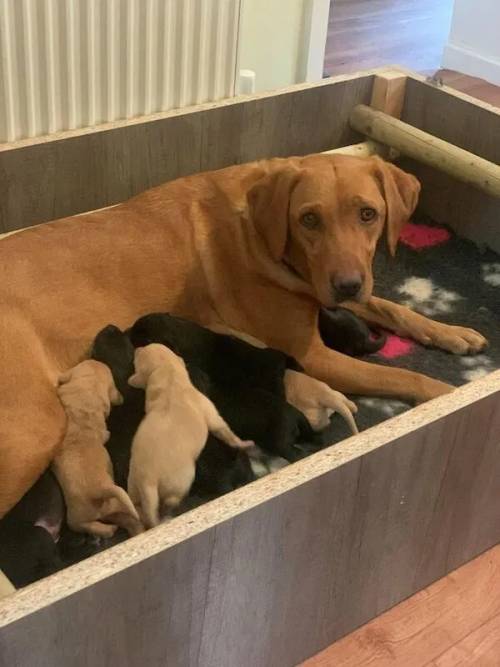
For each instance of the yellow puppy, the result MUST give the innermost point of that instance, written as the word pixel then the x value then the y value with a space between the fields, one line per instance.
pixel 317 401
pixel 83 467
pixel 6 588
pixel 172 434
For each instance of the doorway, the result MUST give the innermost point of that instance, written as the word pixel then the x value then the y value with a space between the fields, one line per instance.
pixel 372 33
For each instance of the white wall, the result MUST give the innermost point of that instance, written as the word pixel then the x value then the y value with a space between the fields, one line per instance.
pixel 283 41
pixel 474 43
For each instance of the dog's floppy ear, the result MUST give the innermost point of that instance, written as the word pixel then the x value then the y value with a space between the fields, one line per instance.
pixel 135 381
pixel 268 206
pixel 400 192
pixel 114 396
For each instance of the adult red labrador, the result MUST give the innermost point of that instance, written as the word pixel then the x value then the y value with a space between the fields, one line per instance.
pixel 256 247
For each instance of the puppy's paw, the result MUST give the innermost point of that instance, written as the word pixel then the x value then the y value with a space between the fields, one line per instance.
pixel 350 405
pixel 318 418
pixel 100 529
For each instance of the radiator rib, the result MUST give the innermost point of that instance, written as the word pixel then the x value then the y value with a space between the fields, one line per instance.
pixel 66 64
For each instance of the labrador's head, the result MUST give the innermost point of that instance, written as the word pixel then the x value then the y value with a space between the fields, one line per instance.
pixel 322 216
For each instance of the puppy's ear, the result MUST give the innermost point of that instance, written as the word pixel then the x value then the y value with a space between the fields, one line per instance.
pixel 114 396
pixel 400 192
pixel 135 381
pixel 269 206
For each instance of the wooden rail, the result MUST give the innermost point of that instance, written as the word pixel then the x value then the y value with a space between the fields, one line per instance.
pixel 427 149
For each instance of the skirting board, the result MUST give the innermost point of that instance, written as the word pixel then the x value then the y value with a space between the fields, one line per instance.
pixel 469 62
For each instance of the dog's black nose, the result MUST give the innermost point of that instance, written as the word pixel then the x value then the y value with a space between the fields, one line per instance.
pixel 347 288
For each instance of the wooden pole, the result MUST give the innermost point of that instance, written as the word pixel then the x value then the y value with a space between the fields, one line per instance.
pixel 426 148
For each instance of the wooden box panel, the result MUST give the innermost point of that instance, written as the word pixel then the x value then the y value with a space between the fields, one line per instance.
pixel 469 124
pixel 78 171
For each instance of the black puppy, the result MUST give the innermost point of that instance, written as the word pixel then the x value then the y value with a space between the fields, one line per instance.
pixel 244 382
pixel 273 424
pixel 27 552
pixel 28 533
pixel 220 469
pixel 113 347
pixel 74 547
pixel 227 360
pixel 345 332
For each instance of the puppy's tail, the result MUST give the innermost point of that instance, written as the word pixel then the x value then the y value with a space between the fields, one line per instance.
pixel 150 506
pixel 345 412
pixel 122 503
pixel 337 402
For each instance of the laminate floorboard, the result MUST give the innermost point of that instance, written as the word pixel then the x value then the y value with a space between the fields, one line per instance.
pixel 373 33
pixel 363 34
pixel 455 622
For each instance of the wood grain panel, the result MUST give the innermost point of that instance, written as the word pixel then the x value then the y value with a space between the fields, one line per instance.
pixel 469 124
pixel 53 179
pixel 79 171
pixel 280 569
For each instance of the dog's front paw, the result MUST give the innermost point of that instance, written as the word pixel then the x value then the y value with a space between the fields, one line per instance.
pixel 458 340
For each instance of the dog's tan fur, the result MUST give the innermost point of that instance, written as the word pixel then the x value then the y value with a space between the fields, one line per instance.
pixel 223 247
pixel 82 466
pixel 172 434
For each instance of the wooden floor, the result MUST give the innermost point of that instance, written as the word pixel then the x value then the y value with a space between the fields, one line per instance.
pixel 372 33
pixel 453 623
pixel 471 85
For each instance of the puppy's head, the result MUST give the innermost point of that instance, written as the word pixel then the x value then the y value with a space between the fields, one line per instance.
pixel 149 359
pixel 89 386
pixel 104 386
pixel 143 368
pixel 322 216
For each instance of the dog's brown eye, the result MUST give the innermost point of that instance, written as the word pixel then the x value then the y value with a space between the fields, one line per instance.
pixel 367 214
pixel 310 221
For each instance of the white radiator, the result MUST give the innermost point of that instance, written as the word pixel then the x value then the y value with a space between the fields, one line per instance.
pixel 66 64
